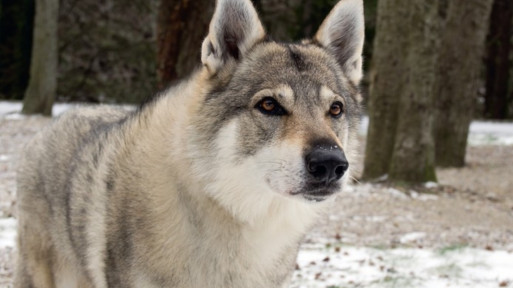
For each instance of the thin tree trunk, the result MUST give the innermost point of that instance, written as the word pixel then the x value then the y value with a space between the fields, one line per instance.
pixel 414 156
pixel 498 62
pixel 387 80
pixel 460 61
pixel 181 27
pixel 40 93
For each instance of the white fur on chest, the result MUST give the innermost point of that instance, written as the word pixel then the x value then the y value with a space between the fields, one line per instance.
pixel 280 230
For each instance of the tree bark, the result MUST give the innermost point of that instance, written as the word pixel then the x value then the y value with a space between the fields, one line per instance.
pixel 460 61
pixel 181 27
pixel 413 157
pixel 400 137
pixel 41 91
pixel 498 62
pixel 387 79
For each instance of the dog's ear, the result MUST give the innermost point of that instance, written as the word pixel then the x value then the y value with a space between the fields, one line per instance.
pixel 234 29
pixel 342 33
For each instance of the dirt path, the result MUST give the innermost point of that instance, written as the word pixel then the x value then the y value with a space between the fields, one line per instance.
pixel 473 206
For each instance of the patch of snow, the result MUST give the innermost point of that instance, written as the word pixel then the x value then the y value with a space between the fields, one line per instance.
pixel 430 185
pixel 422 196
pixel 4 158
pixel 364 125
pixel 412 237
pixel 9 107
pixel 15 116
pixel 341 266
pixel 7 232
pixel 480 132
pixel 12 110
pixel 499 128
pixel 479 139
pixel 60 108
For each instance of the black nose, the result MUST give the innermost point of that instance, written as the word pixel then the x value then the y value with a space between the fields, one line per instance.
pixel 326 163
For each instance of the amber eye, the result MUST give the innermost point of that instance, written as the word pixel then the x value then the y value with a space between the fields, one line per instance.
pixel 336 109
pixel 269 106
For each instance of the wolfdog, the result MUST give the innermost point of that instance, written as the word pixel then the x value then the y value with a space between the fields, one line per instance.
pixel 212 184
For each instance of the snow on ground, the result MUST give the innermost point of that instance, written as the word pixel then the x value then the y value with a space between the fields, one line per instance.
pixel 11 109
pixel 486 133
pixel 7 107
pixel 333 263
pixel 336 265
pixel 7 232
pixel 481 132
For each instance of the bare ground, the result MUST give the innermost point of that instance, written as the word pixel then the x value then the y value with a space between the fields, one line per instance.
pixel 472 206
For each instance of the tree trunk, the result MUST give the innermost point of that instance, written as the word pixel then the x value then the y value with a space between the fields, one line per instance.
pixel 400 138
pixel 387 81
pixel 460 61
pixel 414 152
pixel 16 25
pixel 181 27
pixel 40 93
pixel 498 62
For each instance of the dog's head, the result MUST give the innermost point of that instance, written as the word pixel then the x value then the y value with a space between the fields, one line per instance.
pixel 279 118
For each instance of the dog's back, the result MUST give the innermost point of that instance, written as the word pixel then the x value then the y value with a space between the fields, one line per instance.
pixel 55 194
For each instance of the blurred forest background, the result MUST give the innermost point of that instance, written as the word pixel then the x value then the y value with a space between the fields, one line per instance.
pixel 108 51
pixel 431 66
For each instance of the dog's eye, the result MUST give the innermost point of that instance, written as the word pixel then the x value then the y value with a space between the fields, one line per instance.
pixel 269 106
pixel 336 109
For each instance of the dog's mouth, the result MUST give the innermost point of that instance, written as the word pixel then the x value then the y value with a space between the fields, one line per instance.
pixel 318 192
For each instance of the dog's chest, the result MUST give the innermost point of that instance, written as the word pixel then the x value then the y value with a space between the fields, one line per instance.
pixel 262 257
pixel 234 270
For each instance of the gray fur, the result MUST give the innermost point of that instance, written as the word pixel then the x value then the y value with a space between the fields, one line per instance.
pixel 195 188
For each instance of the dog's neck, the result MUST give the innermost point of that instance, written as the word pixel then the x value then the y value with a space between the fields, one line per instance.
pixel 209 234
